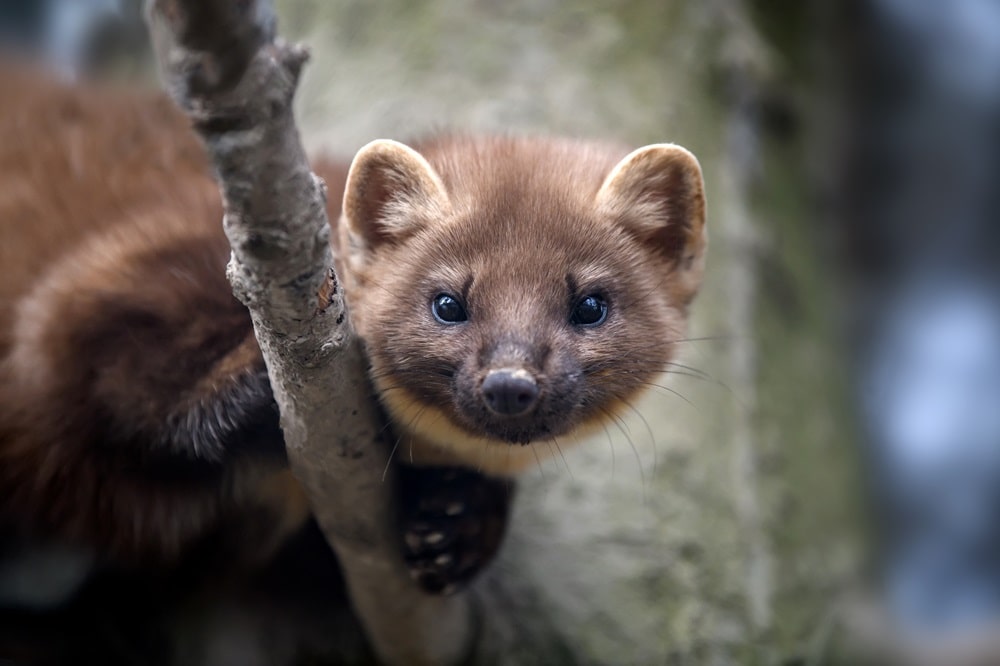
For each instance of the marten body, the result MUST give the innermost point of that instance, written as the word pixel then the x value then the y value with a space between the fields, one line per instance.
pixel 510 292
pixel 129 420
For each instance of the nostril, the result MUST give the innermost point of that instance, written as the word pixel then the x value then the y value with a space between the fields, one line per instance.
pixel 510 392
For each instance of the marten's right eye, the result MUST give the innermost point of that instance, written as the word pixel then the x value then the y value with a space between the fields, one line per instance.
pixel 448 310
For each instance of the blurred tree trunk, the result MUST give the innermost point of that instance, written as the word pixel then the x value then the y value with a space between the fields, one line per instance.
pixel 722 530
pixel 720 527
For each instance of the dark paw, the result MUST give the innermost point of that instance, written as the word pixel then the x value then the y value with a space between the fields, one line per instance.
pixel 452 521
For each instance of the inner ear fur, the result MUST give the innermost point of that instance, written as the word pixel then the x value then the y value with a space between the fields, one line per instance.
pixel 658 192
pixel 391 191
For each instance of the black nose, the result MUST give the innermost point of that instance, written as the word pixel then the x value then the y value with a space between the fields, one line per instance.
pixel 510 392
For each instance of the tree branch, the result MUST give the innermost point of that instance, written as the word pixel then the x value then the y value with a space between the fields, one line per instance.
pixel 221 62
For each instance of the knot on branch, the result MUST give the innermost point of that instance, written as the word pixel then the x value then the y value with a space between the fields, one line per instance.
pixel 224 33
pixel 263 94
pixel 220 60
pixel 327 293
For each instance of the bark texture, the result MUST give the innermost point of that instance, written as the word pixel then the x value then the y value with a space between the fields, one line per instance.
pixel 222 63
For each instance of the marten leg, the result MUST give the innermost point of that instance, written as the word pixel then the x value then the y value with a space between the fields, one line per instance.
pixel 453 522
pixel 136 412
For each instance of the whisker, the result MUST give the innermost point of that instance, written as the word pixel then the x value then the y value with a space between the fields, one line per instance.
pixel 623 369
pixel 539 462
pixel 565 462
pixel 421 373
pixel 409 426
pixel 548 444
pixel 649 430
pixel 667 371
pixel 482 456
pixel 638 459
pixel 385 428
pixel 691 369
pixel 388 461
pixel 611 446
pixel 670 390
pixel 709 338
pixel 379 285
pixel 390 389
pixel 682 373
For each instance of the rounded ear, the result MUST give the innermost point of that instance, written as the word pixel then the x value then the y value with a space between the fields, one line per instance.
pixel 658 193
pixel 391 190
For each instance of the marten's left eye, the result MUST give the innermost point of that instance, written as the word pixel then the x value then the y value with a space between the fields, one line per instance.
pixel 448 310
pixel 590 310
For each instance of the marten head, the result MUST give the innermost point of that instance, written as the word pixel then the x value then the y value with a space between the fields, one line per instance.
pixel 514 291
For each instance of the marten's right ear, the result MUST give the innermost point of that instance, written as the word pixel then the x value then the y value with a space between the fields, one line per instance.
pixel 391 192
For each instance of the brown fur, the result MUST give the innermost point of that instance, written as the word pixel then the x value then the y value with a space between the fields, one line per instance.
pixel 519 228
pixel 135 413
pixel 110 245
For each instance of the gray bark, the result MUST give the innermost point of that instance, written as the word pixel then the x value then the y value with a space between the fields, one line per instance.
pixel 222 63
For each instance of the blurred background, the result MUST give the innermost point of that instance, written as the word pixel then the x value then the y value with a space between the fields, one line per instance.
pixel 819 482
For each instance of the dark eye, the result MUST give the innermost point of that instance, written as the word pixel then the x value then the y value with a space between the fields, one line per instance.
pixel 448 310
pixel 589 311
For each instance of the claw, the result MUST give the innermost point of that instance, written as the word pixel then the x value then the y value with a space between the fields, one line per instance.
pixel 453 522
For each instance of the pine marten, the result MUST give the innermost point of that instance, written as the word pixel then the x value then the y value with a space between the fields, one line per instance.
pixel 509 292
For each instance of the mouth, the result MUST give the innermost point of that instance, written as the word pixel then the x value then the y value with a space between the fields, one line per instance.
pixel 520 437
pixel 546 420
pixel 516 433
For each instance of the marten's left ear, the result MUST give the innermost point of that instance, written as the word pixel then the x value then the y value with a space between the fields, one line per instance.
pixel 391 192
pixel 658 193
